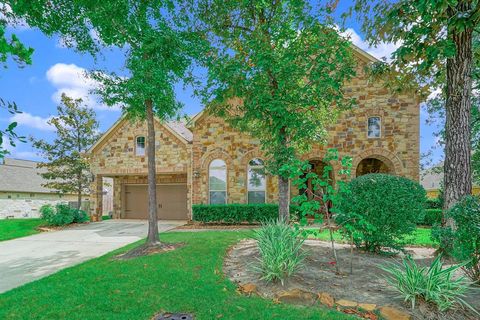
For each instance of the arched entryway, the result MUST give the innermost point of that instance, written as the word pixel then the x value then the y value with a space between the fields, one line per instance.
pixel 374 165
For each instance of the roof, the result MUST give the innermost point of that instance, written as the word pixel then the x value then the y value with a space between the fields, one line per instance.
pixel 180 127
pixel 177 128
pixel 22 176
pixel 432 178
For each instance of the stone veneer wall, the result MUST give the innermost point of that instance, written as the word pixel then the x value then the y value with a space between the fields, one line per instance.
pixel 398 146
pixel 24 205
pixel 116 158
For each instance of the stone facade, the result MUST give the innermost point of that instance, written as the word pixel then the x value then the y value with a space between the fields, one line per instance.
pixel 114 156
pixel 27 205
pixel 188 160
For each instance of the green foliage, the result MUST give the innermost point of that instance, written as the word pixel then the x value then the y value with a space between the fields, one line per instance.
pixel 287 64
pixel 434 203
pixel 435 284
pixel 281 253
pixel 67 169
pixel 236 213
pixel 431 217
pixel 61 214
pixel 381 210
pixel 463 242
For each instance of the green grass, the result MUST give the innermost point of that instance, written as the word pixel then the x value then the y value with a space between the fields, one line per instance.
pixel 16 228
pixel 421 237
pixel 189 279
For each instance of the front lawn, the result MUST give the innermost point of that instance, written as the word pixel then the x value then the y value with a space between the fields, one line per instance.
pixel 421 237
pixel 16 228
pixel 189 279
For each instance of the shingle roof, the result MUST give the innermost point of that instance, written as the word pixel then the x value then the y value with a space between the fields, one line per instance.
pixel 180 127
pixel 21 176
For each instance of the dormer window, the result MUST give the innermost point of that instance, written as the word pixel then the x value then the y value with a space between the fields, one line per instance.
pixel 374 127
pixel 140 146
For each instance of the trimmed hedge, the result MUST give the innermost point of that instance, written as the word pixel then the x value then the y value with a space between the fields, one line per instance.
pixel 432 217
pixel 237 213
pixel 435 203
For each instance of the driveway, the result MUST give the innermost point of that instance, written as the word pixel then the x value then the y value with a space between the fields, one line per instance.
pixel 30 258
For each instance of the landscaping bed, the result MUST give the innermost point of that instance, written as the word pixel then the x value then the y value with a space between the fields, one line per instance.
pixel 317 280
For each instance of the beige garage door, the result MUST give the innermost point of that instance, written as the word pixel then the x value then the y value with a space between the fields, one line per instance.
pixel 171 202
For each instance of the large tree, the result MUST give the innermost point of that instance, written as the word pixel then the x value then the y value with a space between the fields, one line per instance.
pixel 76 129
pixel 157 55
pixel 435 52
pixel 286 63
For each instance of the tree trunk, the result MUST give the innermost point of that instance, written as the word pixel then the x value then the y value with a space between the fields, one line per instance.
pixel 283 200
pixel 457 168
pixel 152 238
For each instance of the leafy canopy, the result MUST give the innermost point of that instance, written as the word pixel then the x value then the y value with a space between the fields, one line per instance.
pixel 275 70
pixel 76 128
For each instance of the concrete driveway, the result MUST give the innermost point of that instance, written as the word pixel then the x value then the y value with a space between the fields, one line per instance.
pixel 26 259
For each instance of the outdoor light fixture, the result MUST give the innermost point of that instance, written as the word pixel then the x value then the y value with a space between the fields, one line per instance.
pixel 196 174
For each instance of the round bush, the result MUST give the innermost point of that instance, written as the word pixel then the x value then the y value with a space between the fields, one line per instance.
pixel 381 209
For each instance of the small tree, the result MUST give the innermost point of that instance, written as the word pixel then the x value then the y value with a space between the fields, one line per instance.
pixel 320 194
pixel 287 64
pixel 76 128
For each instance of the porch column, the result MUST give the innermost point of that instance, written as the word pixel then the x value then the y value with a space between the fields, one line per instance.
pixel 96 196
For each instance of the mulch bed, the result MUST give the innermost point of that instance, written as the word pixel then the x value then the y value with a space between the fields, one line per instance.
pixel 57 228
pixel 365 286
pixel 147 250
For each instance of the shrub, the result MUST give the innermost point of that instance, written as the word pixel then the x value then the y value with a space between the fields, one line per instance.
pixel 388 208
pixel 432 217
pixel 464 240
pixel 435 203
pixel 281 253
pixel 237 213
pixel 62 214
pixel 435 284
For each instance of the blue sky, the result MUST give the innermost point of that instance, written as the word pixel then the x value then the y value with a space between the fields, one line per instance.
pixel 55 69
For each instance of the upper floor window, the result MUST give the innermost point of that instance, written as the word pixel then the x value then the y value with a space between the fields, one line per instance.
pixel 256 181
pixel 140 146
pixel 374 127
pixel 217 182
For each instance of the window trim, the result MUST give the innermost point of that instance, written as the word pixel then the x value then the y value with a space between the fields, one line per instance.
pixel 226 181
pixel 379 119
pixel 248 184
pixel 144 147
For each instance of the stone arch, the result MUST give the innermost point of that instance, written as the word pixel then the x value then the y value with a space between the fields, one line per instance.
pixel 392 164
pixel 207 158
pixel 217 153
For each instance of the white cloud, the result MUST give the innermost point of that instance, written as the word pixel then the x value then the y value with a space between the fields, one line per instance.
pixel 74 82
pixel 28 120
pixel 383 50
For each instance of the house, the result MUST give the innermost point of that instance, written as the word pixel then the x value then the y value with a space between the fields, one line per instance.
pixel 431 179
pixel 22 192
pixel 207 161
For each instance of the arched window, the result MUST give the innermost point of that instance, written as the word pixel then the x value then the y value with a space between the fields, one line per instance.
pixel 140 146
pixel 256 181
pixel 374 127
pixel 217 182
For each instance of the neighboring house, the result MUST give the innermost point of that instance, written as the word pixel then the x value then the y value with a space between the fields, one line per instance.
pixel 207 161
pixel 21 190
pixel 431 179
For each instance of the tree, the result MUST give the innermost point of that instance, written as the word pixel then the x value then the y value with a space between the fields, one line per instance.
pixel 157 55
pixel 10 46
pixel 67 170
pixel 435 52
pixel 286 63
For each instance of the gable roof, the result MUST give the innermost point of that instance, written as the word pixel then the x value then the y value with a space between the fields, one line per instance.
pixel 22 176
pixel 177 128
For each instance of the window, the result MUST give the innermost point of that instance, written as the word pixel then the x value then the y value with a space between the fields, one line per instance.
pixel 256 181
pixel 374 127
pixel 140 146
pixel 217 182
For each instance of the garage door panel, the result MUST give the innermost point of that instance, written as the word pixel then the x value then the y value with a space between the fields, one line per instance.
pixel 171 202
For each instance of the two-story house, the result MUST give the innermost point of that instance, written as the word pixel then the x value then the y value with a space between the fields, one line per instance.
pixel 207 161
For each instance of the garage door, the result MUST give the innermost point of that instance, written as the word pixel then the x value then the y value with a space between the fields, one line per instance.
pixel 171 202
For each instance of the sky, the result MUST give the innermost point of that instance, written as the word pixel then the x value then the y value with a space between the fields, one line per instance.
pixel 37 88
